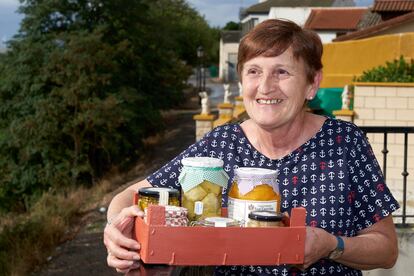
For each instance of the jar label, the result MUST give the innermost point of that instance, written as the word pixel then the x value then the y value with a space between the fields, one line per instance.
pixel 198 207
pixel 239 209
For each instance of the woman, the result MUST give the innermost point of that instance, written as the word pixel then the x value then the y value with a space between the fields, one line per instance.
pixel 325 165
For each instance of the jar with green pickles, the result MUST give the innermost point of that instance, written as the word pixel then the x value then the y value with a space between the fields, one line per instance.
pixel 153 195
pixel 202 180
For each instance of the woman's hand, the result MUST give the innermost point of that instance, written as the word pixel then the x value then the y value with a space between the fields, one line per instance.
pixel 122 248
pixel 318 245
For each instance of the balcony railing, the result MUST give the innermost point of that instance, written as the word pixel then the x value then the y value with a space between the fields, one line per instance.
pixel 395 130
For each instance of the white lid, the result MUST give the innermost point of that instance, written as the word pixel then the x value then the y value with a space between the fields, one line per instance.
pixel 204 162
pixel 220 221
pixel 255 172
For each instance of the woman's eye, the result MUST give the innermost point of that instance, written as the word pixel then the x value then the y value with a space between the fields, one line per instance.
pixel 281 73
pixel 252 71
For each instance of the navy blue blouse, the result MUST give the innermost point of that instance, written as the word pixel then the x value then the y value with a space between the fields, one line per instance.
pixel 334 175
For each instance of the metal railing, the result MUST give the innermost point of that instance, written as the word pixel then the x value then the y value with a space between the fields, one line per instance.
pixel 395 130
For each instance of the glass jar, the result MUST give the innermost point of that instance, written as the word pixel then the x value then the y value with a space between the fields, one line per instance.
pixel 153 195
pixel 217 222
pixel 265 219
pixel 202 180
pixel 253 189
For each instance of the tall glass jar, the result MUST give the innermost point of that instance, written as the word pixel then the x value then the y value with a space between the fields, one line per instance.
pixel 202 180
pixel 253 189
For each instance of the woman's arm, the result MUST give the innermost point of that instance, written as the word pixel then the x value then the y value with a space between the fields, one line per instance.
pixel 373 247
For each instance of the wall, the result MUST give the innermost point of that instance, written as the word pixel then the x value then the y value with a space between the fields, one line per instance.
pixel 386 104
pixel 344 60
pixel 225 49
pixel 298 15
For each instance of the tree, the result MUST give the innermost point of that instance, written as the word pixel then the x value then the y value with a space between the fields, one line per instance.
pixel 82 85
pixel 232 26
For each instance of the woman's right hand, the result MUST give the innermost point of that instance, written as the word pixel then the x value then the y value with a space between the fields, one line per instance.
pixel 118 239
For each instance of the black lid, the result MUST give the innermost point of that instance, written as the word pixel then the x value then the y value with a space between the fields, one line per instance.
pixel 155 192
pixel 266 216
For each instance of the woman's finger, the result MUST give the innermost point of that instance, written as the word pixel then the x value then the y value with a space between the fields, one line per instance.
pixel 114 236
pixel 117 263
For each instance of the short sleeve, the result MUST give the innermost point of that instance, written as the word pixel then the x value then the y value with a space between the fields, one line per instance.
pixel 167 175
pixel 369 195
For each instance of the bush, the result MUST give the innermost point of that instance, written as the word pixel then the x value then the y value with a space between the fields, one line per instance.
pixel 398 70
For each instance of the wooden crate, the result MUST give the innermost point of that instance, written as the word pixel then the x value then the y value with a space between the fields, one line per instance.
pixel 190 246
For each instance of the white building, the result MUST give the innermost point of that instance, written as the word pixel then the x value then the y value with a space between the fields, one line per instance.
pixel 229 45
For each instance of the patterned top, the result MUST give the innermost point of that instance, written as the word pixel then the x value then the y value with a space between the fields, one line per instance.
pixel 334 175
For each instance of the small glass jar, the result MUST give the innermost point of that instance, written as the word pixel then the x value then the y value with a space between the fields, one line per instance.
pixel 265 219
pixel 151 195
pixel 217 222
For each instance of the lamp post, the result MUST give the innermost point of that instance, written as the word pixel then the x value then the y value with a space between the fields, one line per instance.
pixel 201 76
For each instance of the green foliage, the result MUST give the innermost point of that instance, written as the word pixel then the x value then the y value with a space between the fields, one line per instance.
pixel 395 71
pixel 83 84
pixel 232 26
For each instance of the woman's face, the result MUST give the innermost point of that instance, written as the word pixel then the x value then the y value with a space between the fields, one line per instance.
pixel 275 89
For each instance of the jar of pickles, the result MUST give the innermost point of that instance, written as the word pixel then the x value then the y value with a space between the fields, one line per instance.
pixel 253 189
pixel 158 196
pixel 265 219
pixel 202 180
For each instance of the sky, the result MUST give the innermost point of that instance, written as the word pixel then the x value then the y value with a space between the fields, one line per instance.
pixel 216 12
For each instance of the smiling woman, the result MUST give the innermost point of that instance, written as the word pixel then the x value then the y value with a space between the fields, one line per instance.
pixel 349 226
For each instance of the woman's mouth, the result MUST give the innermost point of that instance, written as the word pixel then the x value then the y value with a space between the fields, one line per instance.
pixel 272 101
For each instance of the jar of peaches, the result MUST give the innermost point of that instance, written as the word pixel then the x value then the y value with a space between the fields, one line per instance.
pixel 253 189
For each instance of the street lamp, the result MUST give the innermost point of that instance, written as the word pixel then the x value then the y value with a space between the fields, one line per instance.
pixel 201 76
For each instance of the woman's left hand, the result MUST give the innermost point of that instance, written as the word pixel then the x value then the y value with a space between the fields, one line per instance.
pixel 318 245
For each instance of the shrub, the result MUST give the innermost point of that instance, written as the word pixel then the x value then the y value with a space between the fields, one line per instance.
pixel 398 70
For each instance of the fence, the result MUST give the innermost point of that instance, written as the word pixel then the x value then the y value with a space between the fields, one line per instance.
pixel 386 131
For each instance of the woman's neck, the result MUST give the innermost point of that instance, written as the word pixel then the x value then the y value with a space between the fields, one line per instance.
pixel 280 141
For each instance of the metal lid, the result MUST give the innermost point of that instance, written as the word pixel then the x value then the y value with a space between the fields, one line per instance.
pixel 155 192
pixel 266 216
pixel 203 162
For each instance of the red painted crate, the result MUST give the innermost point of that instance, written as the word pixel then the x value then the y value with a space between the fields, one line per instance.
pixel 198 246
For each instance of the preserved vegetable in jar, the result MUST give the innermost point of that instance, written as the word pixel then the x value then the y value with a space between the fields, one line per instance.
pixel 202 180
pixel 265 219
pixel 253 189
pixel 153 195
pixel 217 222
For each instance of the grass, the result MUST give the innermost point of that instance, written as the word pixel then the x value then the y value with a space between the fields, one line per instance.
pixel 26 240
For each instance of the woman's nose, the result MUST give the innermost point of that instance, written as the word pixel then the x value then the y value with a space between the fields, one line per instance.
pixel 268 83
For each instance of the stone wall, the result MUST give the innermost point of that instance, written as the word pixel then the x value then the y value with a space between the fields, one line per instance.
pixel 389 104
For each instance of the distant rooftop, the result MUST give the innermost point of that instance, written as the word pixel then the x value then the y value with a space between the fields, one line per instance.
pixel 373 30
pixel 335 18
pixel 393 5
pixel 264 7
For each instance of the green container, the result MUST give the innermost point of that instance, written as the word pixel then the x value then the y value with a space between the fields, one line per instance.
pixel 213 69
pixel 326 101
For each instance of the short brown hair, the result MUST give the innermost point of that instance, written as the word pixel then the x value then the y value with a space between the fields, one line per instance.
pixel 274 36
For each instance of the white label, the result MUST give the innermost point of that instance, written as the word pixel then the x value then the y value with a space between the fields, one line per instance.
pixel 239 209
pixel 198 207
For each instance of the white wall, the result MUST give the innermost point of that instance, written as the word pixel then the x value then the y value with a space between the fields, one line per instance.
pixel 326 36
pixel 225 49
pixel 298 15
pixel 260 17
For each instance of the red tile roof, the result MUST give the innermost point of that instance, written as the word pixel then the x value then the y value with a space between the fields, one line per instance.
pixel 372 31
pixel 335 18
pixel 393 5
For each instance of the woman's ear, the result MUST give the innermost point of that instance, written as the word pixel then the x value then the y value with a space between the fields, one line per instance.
pixel 313 89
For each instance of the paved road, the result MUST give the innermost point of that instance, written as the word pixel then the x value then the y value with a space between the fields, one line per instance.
pixel 86 254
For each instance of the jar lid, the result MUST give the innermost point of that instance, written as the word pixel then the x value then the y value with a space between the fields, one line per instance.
pixel 255 172
pixel 204 162
pixel 155 192
pixel 266 216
